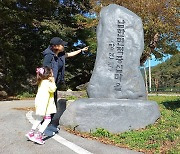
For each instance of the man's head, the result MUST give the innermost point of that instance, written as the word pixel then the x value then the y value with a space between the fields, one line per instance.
pixel 57 44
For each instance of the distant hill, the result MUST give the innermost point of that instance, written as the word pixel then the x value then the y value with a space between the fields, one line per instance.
pixel 167 74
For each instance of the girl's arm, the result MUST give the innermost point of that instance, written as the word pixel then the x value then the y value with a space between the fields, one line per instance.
pixel 52 85
pixel 71 54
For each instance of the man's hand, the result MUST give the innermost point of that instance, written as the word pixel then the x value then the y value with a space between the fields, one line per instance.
pixel 85 49
pixel 71 54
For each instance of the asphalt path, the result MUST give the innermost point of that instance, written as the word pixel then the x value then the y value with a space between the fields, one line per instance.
pixel 16 120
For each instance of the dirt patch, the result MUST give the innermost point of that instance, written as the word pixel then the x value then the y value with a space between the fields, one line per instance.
pixel 8 99
pixel 25 108
pixel 167 145
pixel 11 98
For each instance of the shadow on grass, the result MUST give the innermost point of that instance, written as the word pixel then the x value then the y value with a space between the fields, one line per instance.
pixel 172 105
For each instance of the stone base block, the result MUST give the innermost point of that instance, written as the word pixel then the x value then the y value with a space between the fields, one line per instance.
pixel 114 115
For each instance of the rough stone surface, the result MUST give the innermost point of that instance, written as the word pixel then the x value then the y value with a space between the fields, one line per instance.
pixel 3 94
pixel 65 94
pixel 115 115
pixel 120 44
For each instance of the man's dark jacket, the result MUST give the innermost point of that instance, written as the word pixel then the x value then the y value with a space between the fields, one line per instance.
pixel 57 63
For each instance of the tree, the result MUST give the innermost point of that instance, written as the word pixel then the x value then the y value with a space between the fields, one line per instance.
pixel 166 75
pixel 20 41
pixel 26 26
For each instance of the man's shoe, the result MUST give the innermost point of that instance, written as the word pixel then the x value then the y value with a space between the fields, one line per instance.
pixel 51 130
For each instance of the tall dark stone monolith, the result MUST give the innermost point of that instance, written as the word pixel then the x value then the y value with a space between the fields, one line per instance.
pixel 120 45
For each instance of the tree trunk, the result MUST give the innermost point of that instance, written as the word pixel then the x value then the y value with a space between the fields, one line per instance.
pixel 145 75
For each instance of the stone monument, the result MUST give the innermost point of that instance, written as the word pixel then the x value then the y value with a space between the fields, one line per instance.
pixel 117 97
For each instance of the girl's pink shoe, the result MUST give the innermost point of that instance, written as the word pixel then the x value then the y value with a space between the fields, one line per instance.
pixel 30 136
pixel 38 139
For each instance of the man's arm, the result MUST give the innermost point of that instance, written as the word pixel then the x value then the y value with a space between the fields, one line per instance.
pixel 71 54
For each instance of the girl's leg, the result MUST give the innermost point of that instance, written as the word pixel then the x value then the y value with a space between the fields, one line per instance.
pixel 37 122
pixel 47 120
pixel 43 126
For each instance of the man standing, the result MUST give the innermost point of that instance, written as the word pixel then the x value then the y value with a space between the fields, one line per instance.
pixel 54 57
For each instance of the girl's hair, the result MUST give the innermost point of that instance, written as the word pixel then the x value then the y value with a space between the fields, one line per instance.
pixel 43 73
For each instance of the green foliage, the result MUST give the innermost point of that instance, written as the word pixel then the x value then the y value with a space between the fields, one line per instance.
pixel 161 137
pixel 101 132
pixel 71 98
pixel 78 70
pixel 26 27
pixel 25 95
pixel 167 74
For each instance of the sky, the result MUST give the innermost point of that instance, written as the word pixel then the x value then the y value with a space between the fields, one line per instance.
pixel 155 62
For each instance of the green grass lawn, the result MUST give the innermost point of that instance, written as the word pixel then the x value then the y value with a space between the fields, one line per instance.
pixel 162 137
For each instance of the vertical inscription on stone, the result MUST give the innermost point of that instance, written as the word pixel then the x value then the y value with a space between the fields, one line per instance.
pixel 111 56
pixel 119 54
pixel 116 55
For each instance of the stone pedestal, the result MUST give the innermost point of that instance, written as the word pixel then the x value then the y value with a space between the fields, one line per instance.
pixel 114 115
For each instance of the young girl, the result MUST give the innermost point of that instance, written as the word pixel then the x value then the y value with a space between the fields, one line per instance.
pixel 44 103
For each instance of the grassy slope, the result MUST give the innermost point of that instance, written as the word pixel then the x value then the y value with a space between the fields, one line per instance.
pixel 162 137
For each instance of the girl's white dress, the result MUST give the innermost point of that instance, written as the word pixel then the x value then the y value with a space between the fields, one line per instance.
pixel 44 101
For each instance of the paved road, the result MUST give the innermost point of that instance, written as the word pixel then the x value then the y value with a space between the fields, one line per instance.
pixel 14 124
